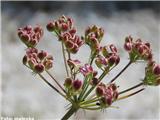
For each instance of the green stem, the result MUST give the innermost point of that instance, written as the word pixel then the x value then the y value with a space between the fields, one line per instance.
pixel 89 101
pixel 65 60
pixel 121 72
pixel 69 113
pixel 51 86
pixel 126 96
pixel 89 105
pixel 95 108
pixel 124 91
pixel 56 81
pixel 92 88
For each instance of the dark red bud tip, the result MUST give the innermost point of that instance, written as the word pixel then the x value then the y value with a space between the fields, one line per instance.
pixel 99 91
pixel 106 100
pixel 77 84
pixel 128 46
pixel 156 69
pixel 39 68
pixel 48 64
pixel 113 48
pixel 64 27
pixel 50 26
pixel 95 81
pixel 41 55
pixel 68 82
pixel 69 44
pixel 25 37
pixel 24 60
pixel 73 31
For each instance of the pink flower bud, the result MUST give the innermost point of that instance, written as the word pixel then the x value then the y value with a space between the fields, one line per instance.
pixel 41 55
pixel 99 91
pixel 77 84
pixel 25 38
pixel 141 49
pixel 50 26
pixel 94 81
pixel 128 46
pixel 39 68
pixel 156 69
pixel 74 49
pixel 64 27
pixel 68 82
pixel 72 31
pixel 24 60
pixel 48 64
pixel 113 48
pixel 69 44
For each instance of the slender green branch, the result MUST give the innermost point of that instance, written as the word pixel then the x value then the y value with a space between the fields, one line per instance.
pixel 121 72
pixel 51 85
pixel 65 60
pixel 70 113
pixel 126 96
pixel 124 91
pixel 55 81
pixel 95 108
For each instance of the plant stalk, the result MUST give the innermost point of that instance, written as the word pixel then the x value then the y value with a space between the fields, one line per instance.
pixel 65 60
pixel 131 88
pixel 121 72
pixel 69 113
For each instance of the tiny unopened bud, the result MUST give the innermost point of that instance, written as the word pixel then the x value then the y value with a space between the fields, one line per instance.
pixel 69 44
pixel 41 55
pixel 39 68
pixel 50 26
pixel 99 91
pixel 48 64
pixel 77 84
pixel 75 49
pixel 128 46
pixel 68 82
pixel 113 48
pixel 95 81
pixel 25 38
pixel 64 27
pixel 24 60
pixel 156 69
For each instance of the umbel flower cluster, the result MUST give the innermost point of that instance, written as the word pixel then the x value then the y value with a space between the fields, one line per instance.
pixel 89 92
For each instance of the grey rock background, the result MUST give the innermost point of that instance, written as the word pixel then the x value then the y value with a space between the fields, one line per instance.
pixel 24 94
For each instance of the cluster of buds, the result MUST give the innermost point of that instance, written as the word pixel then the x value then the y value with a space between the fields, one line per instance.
pixel 73 64
pixel 107 94
pixel 93 37
pixel 66 33
pixel 38 61
pixel 30 36
pixel 73 86
pixel 152 74
pixel 87 69
pixel 138 50
pixel 108 58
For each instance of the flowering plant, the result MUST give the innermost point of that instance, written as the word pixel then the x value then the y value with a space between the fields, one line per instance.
pixel 90 93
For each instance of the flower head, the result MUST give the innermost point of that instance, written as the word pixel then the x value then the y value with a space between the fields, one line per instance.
pixel 66 33
pixel 107 94
pixel 30 36
pixel 108 58
pixel 152 74
pixel 38 61
pixel 93 37
pixel 86 69
pixel 137 50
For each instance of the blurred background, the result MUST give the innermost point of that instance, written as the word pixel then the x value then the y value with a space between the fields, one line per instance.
pixel 24 94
